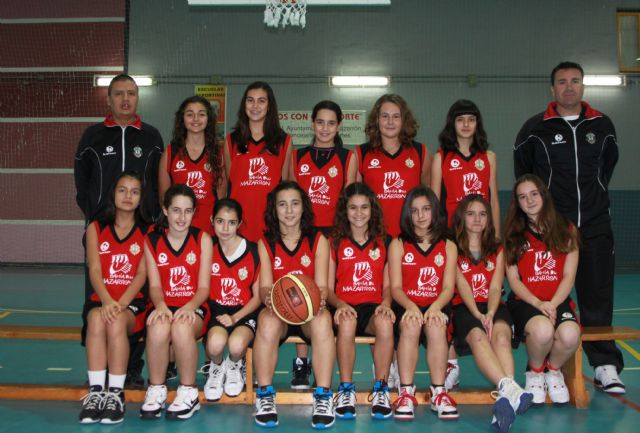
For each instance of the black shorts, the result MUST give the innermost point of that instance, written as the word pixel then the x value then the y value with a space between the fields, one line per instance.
pixel 398 310
pixel 138 307
pixel 464 322
pixel 522 312
pixel 365 313
pixel 250 320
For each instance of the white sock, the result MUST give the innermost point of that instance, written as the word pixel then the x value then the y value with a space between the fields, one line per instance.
pixel 117 380
pixel 97 377
pixel 453 361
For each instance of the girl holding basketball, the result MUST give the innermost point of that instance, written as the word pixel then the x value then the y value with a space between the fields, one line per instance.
pixel 422 270
pixel 359 292
pixel 233 301
pixel 194 159
pixel 479 317
pixel 541 249
pixel 257 155
pixel 291 245
pixel 178 259
pixel 115 310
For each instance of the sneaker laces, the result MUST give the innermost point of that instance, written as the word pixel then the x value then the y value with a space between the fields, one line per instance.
pixel 112 401
pixel 181 395
pixel 234 371
pixel 343 397
pixel 205 369
pixel 322 405
pixel 266 404
pixel 216 374
pixel 402 399
pixel 93 400
pixel 155 393
pixel 444 399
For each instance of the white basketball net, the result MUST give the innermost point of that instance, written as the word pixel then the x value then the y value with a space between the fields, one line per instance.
pixel 291 12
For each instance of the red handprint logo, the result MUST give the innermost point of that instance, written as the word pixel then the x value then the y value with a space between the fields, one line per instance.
pixel 195 180
pixel 229 287
pixel 471 183
pixel 544 260
pixel 362 271
pixel 392 179
pixel 318 185
pixel 428 277
pixel 479 286
pixel 178 277
pixel 257 166
pixel 119 264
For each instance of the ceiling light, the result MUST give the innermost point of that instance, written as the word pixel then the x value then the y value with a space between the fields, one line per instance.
pixel 359 81
pixel 603 80
pixel 105 80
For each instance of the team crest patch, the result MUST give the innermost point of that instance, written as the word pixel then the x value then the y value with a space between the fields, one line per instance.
pixel 439 259
pixel 134 249
pixel 243 273
pixel 375 253
pixel 180 165
pixel 409 163
pixel 591 137
pixel 455 163
pixel 305 260
pixel 191 257
pixel 490 266
pixel 162 258
pixel 207 167
pixel 333 171
pixel 479 164
pixel 104 246
pixel 137 151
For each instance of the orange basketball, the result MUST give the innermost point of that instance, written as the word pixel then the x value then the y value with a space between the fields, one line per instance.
pixel 295 299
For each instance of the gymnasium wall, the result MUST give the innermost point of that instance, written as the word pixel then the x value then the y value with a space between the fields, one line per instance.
pixel 498 53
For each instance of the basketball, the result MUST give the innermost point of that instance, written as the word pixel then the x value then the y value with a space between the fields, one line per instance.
pixel 295 299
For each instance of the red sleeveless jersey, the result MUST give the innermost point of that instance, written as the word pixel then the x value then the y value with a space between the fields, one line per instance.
pixel 198 175
pixel 323 183
pixel 178 269
pixel 541 270
pixel 360 271
pixel 119 259
pixel 231 281
pixel 391 177
pixel 423 272
pixel 254 174
pixel 462 176
pixel 478 274
pixel 299 261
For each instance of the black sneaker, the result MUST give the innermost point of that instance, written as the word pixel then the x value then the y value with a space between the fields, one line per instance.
pixel 323 412
pixel 113 407
pixel 134 379
pixel 266 414
pixel 301 374
pixel 92 406
pixel 172 371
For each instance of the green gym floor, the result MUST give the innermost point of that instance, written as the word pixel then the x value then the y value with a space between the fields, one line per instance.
pixel 53 297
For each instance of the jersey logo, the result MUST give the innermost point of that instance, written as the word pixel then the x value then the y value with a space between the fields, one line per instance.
pixel 479 164
pixel 374 163
pixel 119 264
pixel 215 268
pixel 590 137
pixel 393 180
pixel 348 252
pixel 229 287
pixel 108 151
pixel 479 286
pixel 318 185
pixel 470 183
pixel 464 265
pixel 243 273
pixel 180 165
pixel 178 276
pixel 104 247
pixel 544 260
pixel 333 171
pixel 195 180
pixel 428 278
pixel 362 271
pixel 305 260
pixel 304 168
pixel 162 258
pixel 277 262
pixel 257 166
pixel 455 163
pixel 408 257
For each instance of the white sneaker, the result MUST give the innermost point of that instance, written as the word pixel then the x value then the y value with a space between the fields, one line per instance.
pixel 234 379
pixel 187 402
pixel 404 404
pixel 452 379
pixel 154 402
pixel 607 379
pixel 558 391
pixel 214 386
pixel 535 385
pixel 346 401
pixel 380 403
pixel 266 414
pixel 323 415
pixel 443 404
pixel 519 399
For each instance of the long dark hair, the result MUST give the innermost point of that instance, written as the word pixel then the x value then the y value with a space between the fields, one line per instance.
pixel 141 216
pixel 409 124
pixel 448 137
pixel 489 244
pixel 228 203
pixel 332 106
pixel 341 225
pixel 274 136
pixel 557 232
pixel 212 149
pixel 174 191
pixel 438 227
pixel 272 224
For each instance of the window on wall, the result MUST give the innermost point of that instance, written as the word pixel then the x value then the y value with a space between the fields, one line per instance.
pixel 628 41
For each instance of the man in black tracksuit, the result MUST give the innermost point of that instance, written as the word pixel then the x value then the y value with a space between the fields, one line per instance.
pixel 122 142
pixel 573 148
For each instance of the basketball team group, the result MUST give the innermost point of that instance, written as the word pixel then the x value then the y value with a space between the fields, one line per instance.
pixel 186 242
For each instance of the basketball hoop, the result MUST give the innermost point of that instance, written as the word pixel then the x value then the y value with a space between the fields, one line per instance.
pixel 291 12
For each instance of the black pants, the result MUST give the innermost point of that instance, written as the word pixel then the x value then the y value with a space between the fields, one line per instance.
pixel 594 287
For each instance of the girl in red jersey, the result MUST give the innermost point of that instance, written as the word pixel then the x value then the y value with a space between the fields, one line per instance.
pixel 257 155
pixel 479 317
pixel 233 301
pixel 392 163
pixel 291 245
pixel 359 292
pixel 463 165
pixel 194 158
pixel 115 309
pixel 422 270
pixel 178 259
pixel 541 249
